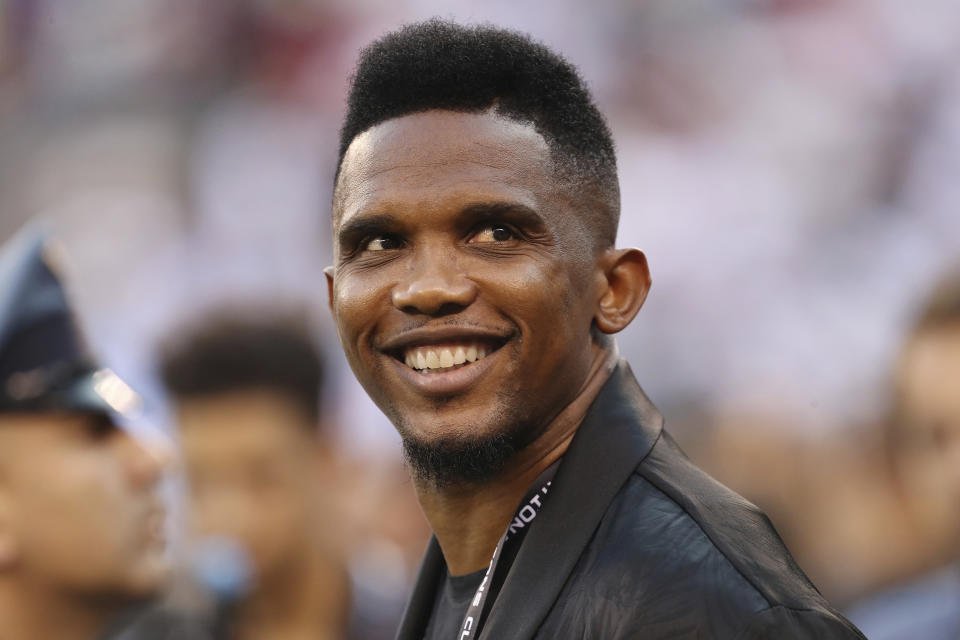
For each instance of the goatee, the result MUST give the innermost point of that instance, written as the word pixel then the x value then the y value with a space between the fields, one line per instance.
pixel 457 461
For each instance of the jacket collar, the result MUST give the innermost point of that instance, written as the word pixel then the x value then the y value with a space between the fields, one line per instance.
pixel 619 429
pixel 429 578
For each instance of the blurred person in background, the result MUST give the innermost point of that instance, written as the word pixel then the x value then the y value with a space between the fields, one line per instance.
pixel 262 475
pixel 923 448
pixel 81 522
pixel 476 289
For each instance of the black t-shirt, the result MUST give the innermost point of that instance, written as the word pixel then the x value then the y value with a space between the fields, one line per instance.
pixel 453 598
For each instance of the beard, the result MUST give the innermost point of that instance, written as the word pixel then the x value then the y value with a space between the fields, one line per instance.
pixel 454 461
pixel 468 460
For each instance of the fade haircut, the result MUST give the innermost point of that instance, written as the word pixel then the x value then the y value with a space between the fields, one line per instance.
pixel 443 65
pixel 226 352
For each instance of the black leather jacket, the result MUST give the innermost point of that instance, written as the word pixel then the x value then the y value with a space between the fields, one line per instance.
pixel 635 542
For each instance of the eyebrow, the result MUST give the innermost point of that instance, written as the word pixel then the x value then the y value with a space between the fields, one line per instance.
pixel 362 226
pixel 514 212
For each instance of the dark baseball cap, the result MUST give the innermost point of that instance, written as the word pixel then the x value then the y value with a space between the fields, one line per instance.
pixel 44 364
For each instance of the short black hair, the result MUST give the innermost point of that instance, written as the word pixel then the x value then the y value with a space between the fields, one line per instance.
pixel 442 65
pixel 225 352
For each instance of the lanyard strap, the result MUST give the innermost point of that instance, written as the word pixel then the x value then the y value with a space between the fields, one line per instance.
pixel 509 544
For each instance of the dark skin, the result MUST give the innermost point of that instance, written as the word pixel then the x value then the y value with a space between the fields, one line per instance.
pixel 451 231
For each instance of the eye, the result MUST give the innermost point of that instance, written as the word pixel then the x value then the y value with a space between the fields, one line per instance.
pixel 99 427
pixel 382 243
pixel 493 233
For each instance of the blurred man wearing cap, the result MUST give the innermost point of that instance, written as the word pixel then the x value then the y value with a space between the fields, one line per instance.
pixel 81 527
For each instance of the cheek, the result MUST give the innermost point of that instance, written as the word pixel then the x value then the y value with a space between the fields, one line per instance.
pixel 356 299
pixel 275 527
pixel 283 520
pixel 932 489
pixel 74 520
pixel 91 485
pixel 546 297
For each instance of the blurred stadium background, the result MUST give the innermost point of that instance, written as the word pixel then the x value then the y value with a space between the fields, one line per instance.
pixel 790 167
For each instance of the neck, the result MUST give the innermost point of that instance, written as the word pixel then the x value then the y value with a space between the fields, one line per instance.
pixel 308 601
pixel 469 520
pixel 30 612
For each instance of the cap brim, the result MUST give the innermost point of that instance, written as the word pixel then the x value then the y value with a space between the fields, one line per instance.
pixel 100 391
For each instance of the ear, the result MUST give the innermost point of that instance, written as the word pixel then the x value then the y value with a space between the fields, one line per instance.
pixel 624 280
pixel 328 271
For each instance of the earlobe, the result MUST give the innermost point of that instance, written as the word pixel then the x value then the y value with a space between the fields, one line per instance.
pixel 328 272
pixel 624 283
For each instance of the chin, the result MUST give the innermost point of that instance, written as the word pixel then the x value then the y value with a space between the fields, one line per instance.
pixel 462 454
pixel 148 580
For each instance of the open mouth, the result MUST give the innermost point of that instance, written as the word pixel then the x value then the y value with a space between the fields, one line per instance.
pixel 440 358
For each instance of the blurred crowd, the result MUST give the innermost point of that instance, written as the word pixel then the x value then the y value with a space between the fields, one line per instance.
pixel 788 166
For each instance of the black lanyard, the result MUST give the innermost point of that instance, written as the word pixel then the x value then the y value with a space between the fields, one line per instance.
pixel 508 545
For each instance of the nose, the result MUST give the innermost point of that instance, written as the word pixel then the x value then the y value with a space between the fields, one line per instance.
pixel 146 459
pixel 435 285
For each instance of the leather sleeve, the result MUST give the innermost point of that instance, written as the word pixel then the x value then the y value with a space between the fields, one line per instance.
pixel 783 623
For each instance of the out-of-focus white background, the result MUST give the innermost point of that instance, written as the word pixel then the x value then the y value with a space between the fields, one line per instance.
pixel 790 167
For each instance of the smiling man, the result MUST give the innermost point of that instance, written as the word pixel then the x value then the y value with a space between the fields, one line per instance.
pixel 476 289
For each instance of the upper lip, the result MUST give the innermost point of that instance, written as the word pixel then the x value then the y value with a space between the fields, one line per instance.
pixel 423 336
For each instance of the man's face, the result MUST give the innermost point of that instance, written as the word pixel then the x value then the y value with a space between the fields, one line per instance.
pixel 464 283
pixel 79 510
pixel 250 461
pixel 929 427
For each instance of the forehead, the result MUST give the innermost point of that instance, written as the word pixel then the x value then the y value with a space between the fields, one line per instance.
pixel 236 419
pixel 435 155
pixel 26 436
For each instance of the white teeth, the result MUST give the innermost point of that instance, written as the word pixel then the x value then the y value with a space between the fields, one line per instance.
pixel 424 358
pixel 446 358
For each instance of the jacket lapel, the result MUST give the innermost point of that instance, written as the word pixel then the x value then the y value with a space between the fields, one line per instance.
pixel 617 433
pixel 417 614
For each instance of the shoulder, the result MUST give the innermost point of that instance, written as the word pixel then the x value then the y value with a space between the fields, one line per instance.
pixel 726 530
pixel 799 624
pixel 677 554
pixel 729 526
pixel 651 571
